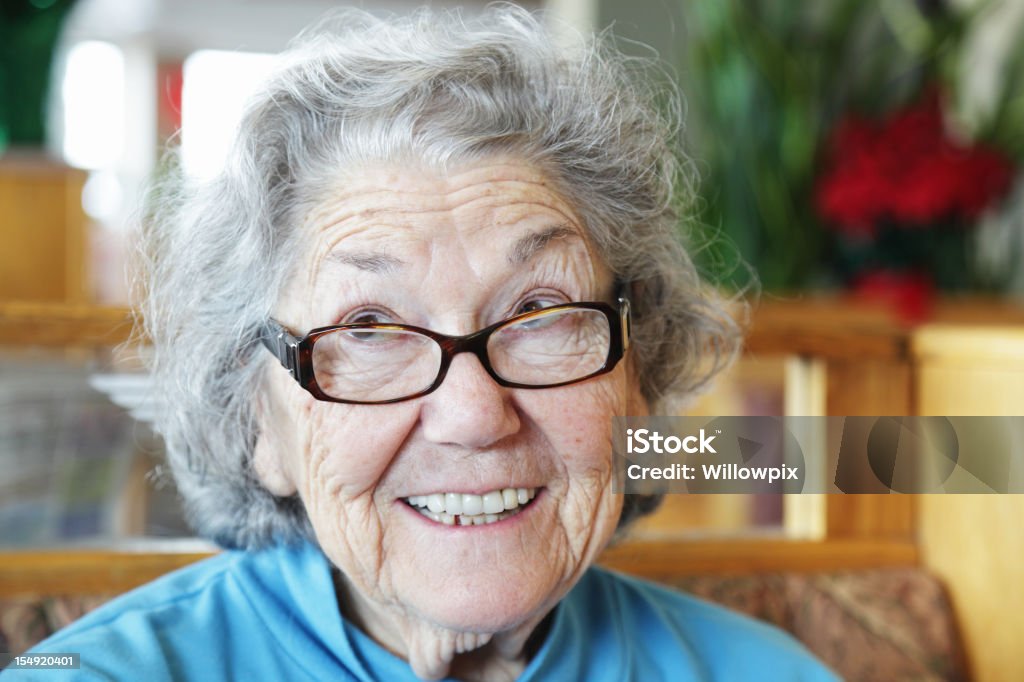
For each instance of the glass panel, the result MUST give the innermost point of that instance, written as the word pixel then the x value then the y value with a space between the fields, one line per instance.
pixel 378 364
pixel 76 466
pixel 560 346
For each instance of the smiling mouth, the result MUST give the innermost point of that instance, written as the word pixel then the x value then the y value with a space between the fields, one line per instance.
pixel 461 509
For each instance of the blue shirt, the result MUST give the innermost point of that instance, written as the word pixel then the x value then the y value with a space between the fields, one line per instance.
pixel 273 615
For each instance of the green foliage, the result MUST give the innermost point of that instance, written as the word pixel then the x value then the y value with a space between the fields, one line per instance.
pixel 1005 126
pixel 768 80
pixel 28 33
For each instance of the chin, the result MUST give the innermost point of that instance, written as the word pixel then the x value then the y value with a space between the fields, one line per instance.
pixel 486 604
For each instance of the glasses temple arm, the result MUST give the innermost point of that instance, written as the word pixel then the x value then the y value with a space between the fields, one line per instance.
pixel 625 322
pixel 283 345
pixel 622 291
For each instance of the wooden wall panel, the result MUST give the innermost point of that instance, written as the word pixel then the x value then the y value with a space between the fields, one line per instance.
pixel 975 542
pixel 870 388
pixel 44 255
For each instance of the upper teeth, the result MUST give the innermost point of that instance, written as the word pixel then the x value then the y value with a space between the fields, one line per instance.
pixel 463 504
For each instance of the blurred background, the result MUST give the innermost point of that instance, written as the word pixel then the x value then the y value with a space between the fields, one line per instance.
pixel 860 165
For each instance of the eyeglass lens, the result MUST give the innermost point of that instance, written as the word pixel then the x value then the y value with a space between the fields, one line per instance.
pixel 371 365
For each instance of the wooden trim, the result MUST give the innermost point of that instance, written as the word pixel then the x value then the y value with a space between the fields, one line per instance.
pixel 830 330
pixel 659 560
pixel 870 388
pixel 33 573
pixel 826 343
pixel 826 328
pixel 63 325
pixel 85 571
pixel 871 516
pixel 777 329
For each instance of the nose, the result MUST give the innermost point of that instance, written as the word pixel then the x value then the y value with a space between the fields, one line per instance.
pixel 468 408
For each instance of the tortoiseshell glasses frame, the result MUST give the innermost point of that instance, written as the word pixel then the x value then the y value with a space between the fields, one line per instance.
pixel 608 327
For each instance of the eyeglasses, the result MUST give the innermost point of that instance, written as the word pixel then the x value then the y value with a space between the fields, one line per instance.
pixel 377 363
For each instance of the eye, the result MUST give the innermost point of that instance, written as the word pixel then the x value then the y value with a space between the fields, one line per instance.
pixel 533 304
pixel 370 316
pixel 537 303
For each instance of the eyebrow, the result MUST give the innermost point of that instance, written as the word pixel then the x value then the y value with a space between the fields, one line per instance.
pixel 523 250
pixel 527 247
pixel 376 262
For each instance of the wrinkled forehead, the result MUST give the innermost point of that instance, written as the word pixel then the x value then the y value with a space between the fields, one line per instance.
pixel 417 226
pixel 501 189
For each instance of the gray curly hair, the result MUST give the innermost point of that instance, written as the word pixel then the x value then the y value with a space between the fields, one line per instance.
pixel 436 88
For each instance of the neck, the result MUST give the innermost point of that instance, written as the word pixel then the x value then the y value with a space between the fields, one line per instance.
pixel 435 652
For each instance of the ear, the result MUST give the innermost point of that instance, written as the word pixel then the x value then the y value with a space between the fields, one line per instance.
pixel 268 455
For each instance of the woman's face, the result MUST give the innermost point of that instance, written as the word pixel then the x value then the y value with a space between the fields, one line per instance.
pixel 452 253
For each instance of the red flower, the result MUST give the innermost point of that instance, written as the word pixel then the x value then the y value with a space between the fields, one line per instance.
pixel 909 294
pixel 992 176
pixel 849 195
pixel 930 184
pixel 906 169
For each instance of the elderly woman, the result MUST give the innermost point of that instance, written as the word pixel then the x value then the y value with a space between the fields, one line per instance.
pixel 391 337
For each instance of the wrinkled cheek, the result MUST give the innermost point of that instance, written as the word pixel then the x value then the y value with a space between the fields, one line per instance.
pixel 344 464
pixel 590 469
pixel 343 457
pixel 589 423
pixel 346 521
pixel 334 476
pixel 576 423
